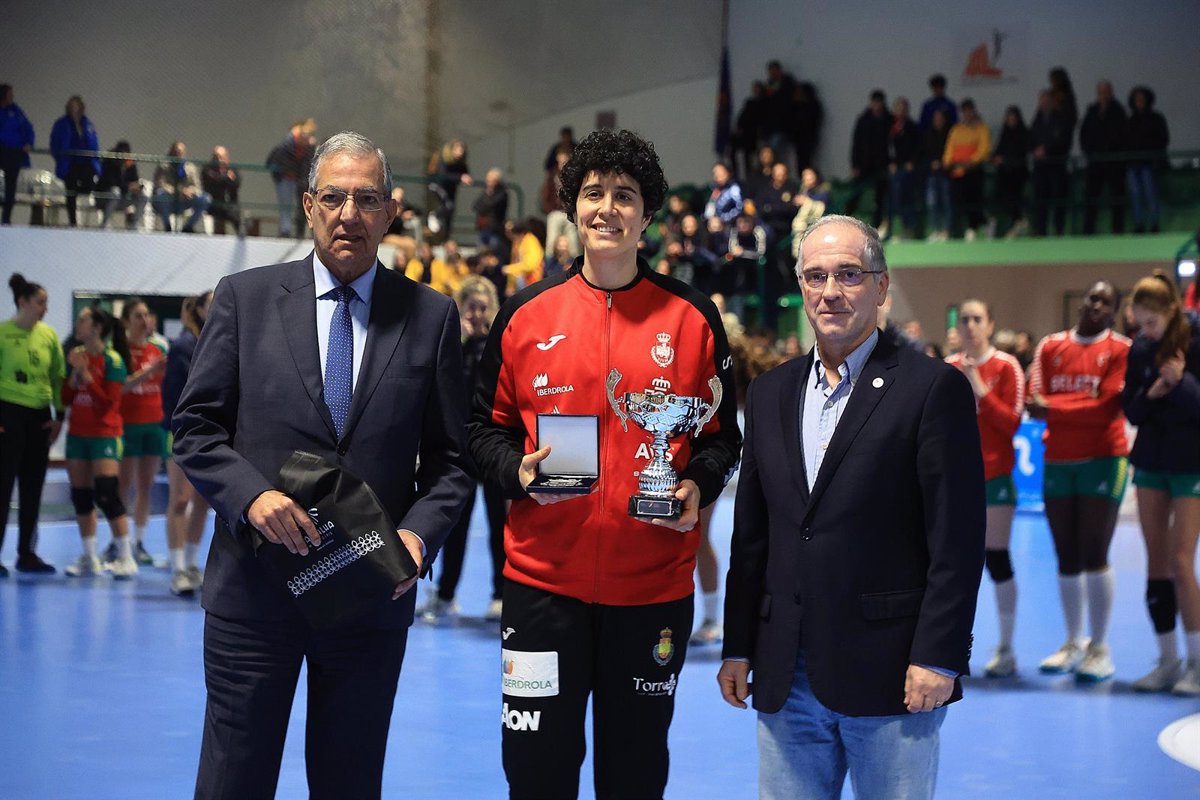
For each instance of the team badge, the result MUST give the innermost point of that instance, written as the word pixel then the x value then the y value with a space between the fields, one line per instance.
pixel 1101 359
pixel 662 353
pixel 664 651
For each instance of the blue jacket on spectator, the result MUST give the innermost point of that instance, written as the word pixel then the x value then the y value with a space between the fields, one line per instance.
pixel 16 131
pixel 64 136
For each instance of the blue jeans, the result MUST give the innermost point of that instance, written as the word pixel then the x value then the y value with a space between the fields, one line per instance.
pixel 1143 195
pixel 285 196
pixel 805 751
pixel 937 201
pixel 166 203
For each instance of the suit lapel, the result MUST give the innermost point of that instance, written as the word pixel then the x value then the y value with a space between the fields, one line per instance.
pixel 297 310
pixel 873 383
pixel 791 410
pixel 389 316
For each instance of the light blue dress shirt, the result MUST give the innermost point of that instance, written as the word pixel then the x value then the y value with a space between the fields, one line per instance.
pixel 824 404
pixel 360 311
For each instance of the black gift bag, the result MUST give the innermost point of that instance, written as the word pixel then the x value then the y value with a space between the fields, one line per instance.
pixel 361 558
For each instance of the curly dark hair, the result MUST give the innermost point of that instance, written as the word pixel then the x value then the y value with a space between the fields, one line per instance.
pixel 622 152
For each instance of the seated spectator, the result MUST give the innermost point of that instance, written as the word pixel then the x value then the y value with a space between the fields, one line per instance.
pixel 811 204
pixel 559 259
pixel 427 268
pixel 1147 142
pixel 526 265
pixel 904 148
pixel 688 258
pixel 289 161
pixel 557 221
pixel 407 219
pixel 177 189
pixel 760 176
pixel 724 196
pixel 937 180
pixel 121 188
pixel 221 182
pixel 967 148
pixel 1102 137
pixel 774 203
pixel 869 158
pixel 677 209
pixel 491 208
pixel 16 140
pixel 488 265
pixel 737 277
pixel 938 101
pixel 1011 158
pixel 73 132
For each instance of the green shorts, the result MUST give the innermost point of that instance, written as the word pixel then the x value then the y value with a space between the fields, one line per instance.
pixel 1096 477
pixel 1175 484
pixel 145 439
pixel 93 448
pixel 1001 491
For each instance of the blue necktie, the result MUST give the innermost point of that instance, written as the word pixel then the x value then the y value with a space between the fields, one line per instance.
pixel 339 360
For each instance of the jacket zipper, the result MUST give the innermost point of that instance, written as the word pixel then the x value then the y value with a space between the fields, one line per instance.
pixel 604 445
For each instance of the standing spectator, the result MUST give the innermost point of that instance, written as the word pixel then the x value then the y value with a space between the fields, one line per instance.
pixel 811 204
pixel 557 222
pixel 1162 398
pixel 16 140
pixel 447 170
pixel 1063 94
pixel 724 195
pixel 525 266
pixel 738 276
pixel 777 109
pixel 222 182
pixel 73 132
pixel 967 149
pixel 1011 158
pixel 31 412
pixel 1102 137
pixel 807 117
pixel 565 144
pixel 288 162
pixel 904 150
pixel 119 180
pixel 406 223
pixel 938 206
pixel 747 129
pixel 559 258
pixel 869 158
pixel 177 189
pixel 1050 143
pixel 491 208
pixel 938 101
pixel 1147 142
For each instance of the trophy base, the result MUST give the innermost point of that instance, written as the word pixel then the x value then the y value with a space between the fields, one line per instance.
pixel 655 507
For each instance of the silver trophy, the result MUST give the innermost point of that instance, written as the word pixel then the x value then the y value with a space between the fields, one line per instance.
pixel 664 416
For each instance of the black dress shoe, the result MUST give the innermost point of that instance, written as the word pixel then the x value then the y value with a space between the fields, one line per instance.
pixel 33 564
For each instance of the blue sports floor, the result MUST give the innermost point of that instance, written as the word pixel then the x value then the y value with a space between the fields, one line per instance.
pixel 102 696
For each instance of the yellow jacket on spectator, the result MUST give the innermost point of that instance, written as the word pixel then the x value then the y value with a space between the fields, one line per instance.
pixel 967 145
pixel 528 262
pixel 441 277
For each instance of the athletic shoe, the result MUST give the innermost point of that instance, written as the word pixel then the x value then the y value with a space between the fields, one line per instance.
pixel 196 576
pixel 493 610
pixel 123 568
pixel 709 632
pixel 1002 665
pixel 969 235
pixel 86 567
pixel 1188 684
pixel 110 553
pixel 181 583
pixel 1065 659
pixel 31 563
pixel 1097 664
pixel 141 556
pixel 438 609
pixel 1160 679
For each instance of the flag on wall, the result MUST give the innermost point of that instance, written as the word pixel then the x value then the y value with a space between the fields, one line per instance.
pixel 722 133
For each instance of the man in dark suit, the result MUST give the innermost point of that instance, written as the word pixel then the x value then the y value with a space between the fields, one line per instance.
pixel 857 544
pixel 339 357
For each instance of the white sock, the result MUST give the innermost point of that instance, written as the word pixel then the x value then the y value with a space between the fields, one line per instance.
pixel 139 532
pixel 1006 605
pixel 89 546
pixel 177 559
pixel 1192 641
pixel 124 551
pixel 711 600
pixel 190 550
pixel 1070 589
pixel 1101 586
pixel 1168 647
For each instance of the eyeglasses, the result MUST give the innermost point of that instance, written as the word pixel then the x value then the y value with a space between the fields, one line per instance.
pixel 334 199
pixel 846 276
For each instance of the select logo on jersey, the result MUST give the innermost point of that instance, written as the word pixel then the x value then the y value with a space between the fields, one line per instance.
pixel 553 340
pixel 541 385
pixel 655 688
pixel 664 651
pixel 520 720
pixel 662 353
pixel 529 674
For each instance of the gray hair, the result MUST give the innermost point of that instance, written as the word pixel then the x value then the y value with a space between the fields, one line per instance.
pixel 872 247
pixel 353 144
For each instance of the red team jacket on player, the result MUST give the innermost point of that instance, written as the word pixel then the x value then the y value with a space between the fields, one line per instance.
pixel 999 411
pixel 96 406
pixel 550 351
pixel 1081 379
pixel 143 403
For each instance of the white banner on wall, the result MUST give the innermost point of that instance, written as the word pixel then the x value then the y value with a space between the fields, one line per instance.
pixel 990 55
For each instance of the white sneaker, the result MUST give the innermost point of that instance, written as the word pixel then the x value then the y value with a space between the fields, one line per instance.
pixel 1003 664
pixel 969 235
pixel 123 568
pixel 1188 684
pixel 196 576
pixel 181 583
pixel 438 609
pixel 709 632
pixel 493 610
pixel 1065 659
pixel 1097 664
pixel 1160 679
pixel 86 567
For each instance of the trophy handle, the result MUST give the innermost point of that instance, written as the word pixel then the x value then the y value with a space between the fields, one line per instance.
pixel 718 391
pixel 614 378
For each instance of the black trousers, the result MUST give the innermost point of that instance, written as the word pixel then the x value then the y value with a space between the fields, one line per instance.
pixel 881 184
pixel 454 550
pixel 967 190
pixel 1103 175
pixel 11 161
pixel 1010 192
pixel 557 651
pixel 1049 197
pixel 250 670
pixel 24 454
pixel 80 180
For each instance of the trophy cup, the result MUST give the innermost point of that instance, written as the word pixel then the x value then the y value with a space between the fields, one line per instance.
pixel 664 416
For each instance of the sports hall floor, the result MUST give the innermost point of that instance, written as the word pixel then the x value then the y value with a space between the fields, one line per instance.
pixel 102 696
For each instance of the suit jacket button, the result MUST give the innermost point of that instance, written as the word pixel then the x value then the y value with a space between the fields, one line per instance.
pixel 341 451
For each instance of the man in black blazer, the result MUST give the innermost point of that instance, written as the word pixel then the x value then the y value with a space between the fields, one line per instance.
pixel 857 544
pixel 368 377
